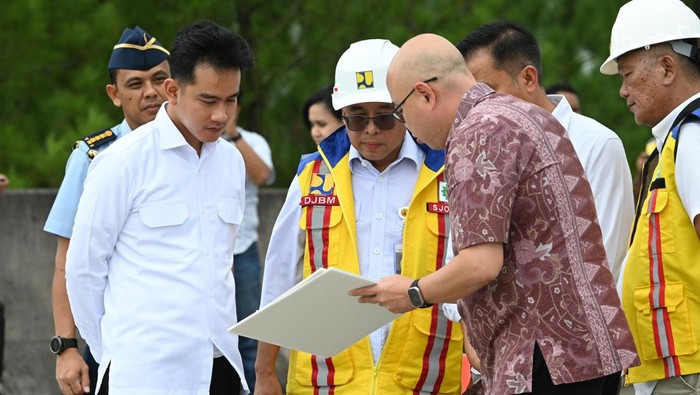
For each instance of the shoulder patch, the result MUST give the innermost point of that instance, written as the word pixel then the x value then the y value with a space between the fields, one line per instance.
pixel 99 138
pixel 95 140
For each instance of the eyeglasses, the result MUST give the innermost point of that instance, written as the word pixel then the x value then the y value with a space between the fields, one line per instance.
pixel 358 123
pixel 398 113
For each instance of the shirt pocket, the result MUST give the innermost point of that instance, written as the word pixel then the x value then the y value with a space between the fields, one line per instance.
pixel 651 221
pixel 167 238
pixel 663 323
pixel 230 215
pixel 323 235
pixel 424 349
pixel 439 226
pixel 316 371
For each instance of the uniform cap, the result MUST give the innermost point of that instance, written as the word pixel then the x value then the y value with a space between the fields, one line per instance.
pixel 137 50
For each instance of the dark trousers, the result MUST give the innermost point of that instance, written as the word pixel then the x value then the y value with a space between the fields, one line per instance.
pixel 93 366
pixel 542 381
pixel 224 379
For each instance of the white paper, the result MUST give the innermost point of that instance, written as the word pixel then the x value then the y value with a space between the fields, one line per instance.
pixel 317 315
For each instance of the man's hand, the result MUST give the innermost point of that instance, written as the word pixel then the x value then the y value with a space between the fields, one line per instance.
pixel 72 372
pixel 267 384
pixel 390 292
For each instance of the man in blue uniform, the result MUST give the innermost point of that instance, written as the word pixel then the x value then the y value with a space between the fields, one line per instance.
pixel 137 67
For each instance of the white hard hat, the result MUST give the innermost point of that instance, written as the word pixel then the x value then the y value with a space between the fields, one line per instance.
pixel 646 22
pixel 360 75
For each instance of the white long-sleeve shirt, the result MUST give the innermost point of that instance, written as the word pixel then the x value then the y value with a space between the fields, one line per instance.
pixel 148 269
pixel 603 158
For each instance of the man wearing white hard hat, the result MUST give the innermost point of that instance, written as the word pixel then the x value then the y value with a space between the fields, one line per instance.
pixel 371 201
pixel 654 47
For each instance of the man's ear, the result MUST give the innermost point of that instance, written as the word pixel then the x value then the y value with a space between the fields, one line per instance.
pixel 113 93
pixel 172 90
pixel 670 66
pixel 529 78
pixel 426 92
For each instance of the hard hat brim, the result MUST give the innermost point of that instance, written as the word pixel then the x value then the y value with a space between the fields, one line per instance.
pixel 609 67
pixel 360 96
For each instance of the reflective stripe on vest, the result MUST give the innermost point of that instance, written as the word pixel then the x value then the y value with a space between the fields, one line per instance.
pixel 436 351
pixel 663 335
pixel 318 215
pixel 323 375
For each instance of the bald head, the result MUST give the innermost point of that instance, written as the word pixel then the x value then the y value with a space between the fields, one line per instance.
pixel 425 56
pixel 428 77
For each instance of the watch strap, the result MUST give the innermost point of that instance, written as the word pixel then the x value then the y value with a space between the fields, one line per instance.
pixel 70 343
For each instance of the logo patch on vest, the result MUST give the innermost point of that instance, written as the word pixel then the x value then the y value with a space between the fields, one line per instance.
pixel 438 207
pixel 322 184
pixel 442 191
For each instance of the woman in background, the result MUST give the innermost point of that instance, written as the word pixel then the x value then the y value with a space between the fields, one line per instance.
pixel 319 115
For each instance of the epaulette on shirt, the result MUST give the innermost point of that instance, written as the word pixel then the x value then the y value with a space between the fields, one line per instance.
pixel 96 140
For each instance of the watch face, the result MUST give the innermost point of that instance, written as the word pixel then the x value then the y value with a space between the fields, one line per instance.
pixel 56 344
pixel 415 296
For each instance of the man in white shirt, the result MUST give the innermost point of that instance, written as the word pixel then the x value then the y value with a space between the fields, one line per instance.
pixel 148 270
pixel 366 203
pixel 246 261
pixel 506 56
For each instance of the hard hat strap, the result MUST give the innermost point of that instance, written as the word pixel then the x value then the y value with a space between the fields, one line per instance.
pixel 686 49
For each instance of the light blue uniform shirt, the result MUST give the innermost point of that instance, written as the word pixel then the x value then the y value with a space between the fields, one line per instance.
pixel 62 215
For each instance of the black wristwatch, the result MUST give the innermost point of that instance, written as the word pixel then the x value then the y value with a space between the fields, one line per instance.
pixel 416 296
pixel 59 344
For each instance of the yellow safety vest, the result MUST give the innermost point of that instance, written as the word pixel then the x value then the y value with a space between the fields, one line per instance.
pixel 423 353
pixel 660 294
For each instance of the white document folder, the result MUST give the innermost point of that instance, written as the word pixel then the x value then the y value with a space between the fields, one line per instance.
pixel 317 315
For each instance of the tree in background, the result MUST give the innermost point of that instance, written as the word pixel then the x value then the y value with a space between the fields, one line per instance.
pixel 52 63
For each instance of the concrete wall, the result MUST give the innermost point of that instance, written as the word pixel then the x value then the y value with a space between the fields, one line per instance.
pixel 26 270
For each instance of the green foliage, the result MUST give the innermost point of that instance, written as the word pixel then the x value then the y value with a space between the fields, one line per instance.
pixel 53 63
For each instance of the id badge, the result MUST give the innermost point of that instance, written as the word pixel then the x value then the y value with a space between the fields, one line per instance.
pixel 398 255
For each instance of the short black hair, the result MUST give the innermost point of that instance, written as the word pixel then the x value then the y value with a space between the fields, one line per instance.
pixel 206 42
pixel 322 96
pixel 512 46
pixel 113 76
pixel 560 87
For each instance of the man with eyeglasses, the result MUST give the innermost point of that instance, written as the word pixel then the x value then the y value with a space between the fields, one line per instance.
pixel 370 201
pixel 530 269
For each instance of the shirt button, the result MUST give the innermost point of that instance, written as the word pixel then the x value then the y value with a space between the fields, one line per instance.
pixel 380 179
pixel 376 251
pixel 379 216
pixel 364 163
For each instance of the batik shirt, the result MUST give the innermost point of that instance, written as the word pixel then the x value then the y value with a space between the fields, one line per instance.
pixel 514 178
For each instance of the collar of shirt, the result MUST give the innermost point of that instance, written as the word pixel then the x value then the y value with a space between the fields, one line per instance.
pixel 409 150
pixel 662 128
pixel 171 137
pixel 122 129
pixel 563 111
pixel 469 99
